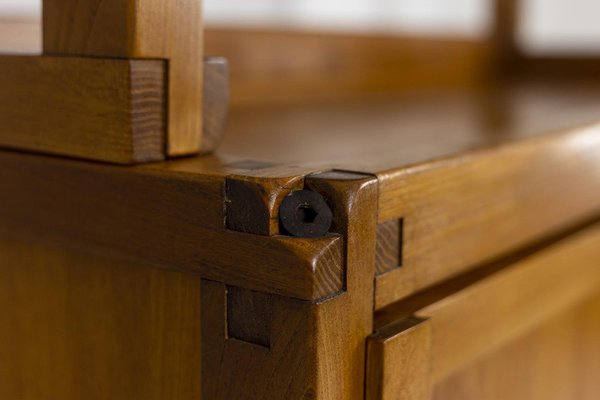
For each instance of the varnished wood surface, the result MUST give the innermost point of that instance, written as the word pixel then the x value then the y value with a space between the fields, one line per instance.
pixel 508 304
pixel 477 164
pixel 168 219
pixel 378 134
pixel 460 212
pixel 307 350
pixel 399 361
pixel 417 156
pixel 558 360
pixel 80 326
pixel 160 29
pixel 99 109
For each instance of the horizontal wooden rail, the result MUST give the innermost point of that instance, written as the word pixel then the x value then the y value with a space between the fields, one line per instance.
pixel 99 109
pixel 102 109
pixel 461 211
pixel 161 218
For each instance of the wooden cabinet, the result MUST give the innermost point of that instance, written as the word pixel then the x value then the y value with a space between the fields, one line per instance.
pixel 417 246
pixel 473 273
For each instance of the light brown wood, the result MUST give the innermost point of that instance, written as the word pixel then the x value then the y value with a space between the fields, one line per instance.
pixel 556 361
pixel 161 29
pixel 508 304
pixel 161 218
pixel 389 244
pixel 304 355
pixel 76 326
pixel 523 191
pixel 99 109
pixel 399 362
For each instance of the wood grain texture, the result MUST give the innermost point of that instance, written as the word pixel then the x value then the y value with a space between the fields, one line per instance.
pixel 99 109
pixel 466 325
pixel 307 357
pixel 161 218
pixel 170 30
pixel 523 191
pixel 399 362
pixel 76 326
pixel 557 360
pixel 352 197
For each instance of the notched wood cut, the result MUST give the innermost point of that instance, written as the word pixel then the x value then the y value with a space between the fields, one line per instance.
pixel 252 203
pixel 249 316
pixel 389 246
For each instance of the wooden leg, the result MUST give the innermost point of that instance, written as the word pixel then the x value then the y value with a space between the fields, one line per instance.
pixel 301 349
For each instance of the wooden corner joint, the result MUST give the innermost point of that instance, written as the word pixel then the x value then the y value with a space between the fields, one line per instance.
pixel 104 109
pixel 307 214
pixel 120 81
pixel 295 347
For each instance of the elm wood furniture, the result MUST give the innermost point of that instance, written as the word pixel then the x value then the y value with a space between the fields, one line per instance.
pixel 452 253
pixel 163 29
pixel 177 280
pixel 150 51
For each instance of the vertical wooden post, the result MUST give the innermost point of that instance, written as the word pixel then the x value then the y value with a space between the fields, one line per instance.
pixel 264 346
pixel 506 19
pixel 164 29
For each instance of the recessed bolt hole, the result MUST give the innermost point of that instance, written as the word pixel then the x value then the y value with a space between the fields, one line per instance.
pixel 307 213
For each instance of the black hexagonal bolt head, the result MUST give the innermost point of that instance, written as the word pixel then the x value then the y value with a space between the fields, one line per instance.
pixel 305 214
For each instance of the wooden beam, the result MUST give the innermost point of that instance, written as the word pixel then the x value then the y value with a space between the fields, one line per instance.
pixel 99 109
pixel 158 218
pixel 164 29
pixel 448 204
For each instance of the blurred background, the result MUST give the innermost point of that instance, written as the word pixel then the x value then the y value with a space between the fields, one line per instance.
pixel 286 50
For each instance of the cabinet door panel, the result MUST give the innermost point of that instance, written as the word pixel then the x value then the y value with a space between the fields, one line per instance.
pixel 492 313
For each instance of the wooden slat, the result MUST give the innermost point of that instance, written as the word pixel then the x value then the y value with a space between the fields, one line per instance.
pixel 510 303
pixel 165 29
pixel 99 109
pixel 461 211
pixel 493 311
pixel 399 362
pixel 160 218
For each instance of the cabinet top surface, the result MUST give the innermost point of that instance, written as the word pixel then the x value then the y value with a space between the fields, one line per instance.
pixel 384 135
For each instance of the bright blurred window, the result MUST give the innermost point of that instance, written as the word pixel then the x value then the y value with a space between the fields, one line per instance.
pixel 560 27
pixel 463 18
